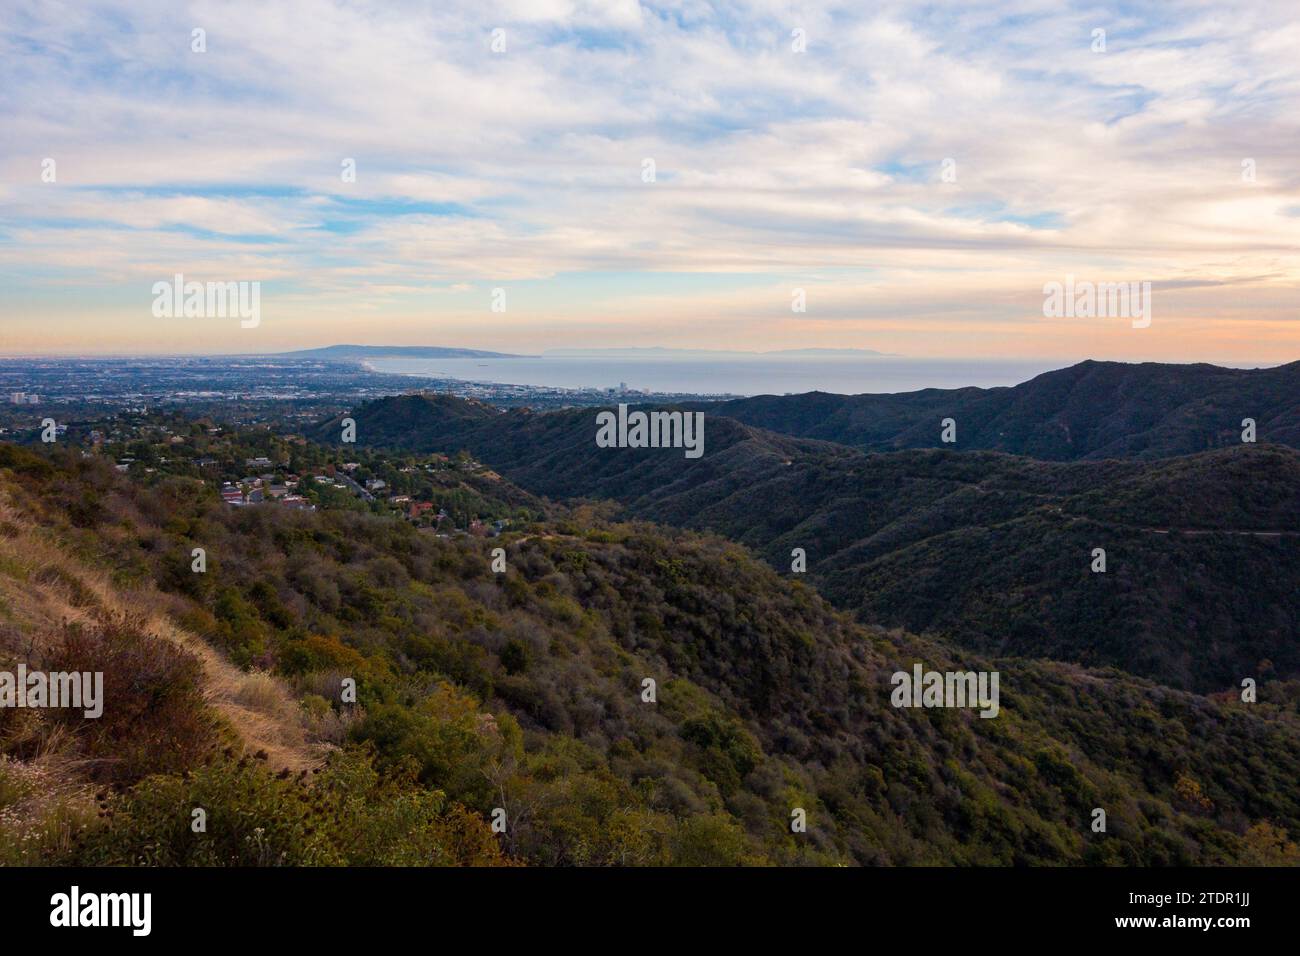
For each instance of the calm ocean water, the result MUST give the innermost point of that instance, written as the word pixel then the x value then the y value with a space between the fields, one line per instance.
pixel 738 376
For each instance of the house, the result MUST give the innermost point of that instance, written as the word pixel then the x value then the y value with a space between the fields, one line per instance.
pixel 420 507
pixel 232 495
pixel 257 463
pixel 376 484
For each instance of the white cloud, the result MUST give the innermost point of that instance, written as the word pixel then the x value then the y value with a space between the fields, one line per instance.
pixel 768 161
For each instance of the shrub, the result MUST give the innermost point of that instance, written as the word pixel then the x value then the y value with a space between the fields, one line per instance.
pixel 154 716
pixel 349 815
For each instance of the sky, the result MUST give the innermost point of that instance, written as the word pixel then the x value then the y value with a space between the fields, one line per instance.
pixel 915 173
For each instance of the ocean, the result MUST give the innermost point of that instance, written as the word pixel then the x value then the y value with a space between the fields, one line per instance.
pixel 745 375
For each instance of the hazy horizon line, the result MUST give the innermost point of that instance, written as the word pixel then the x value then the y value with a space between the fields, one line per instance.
pixel 811 352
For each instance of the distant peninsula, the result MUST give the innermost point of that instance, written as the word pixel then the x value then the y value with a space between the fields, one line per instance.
pixel 360 352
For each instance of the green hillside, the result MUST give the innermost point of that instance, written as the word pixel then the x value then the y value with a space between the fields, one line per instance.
pixel 994 551
pixel 1092 410
pixel 523 690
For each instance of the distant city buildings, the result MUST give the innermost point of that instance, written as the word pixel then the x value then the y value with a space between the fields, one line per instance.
pixel 286 397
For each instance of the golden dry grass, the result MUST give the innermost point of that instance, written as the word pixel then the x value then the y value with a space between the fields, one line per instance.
pixel 42 587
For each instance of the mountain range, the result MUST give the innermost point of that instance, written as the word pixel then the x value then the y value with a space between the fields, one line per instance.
pixel 347 353
pixel 634 670
pixel 992 550
pixel 1092 410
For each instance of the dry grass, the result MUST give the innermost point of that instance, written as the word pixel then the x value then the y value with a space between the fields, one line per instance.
pixel 42 588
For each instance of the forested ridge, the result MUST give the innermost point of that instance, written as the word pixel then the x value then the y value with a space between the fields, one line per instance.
pixel 993 551
pixel 1092 410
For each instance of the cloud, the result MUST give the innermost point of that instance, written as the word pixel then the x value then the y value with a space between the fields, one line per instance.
pixel 525 166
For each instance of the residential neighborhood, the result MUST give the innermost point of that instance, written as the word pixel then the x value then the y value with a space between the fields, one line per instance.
pixel 261 466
